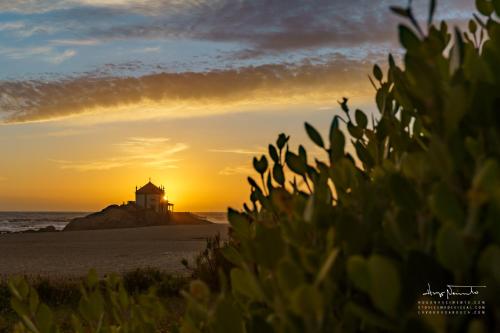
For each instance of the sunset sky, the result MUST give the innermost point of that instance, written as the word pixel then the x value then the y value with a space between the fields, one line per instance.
pixel 96 96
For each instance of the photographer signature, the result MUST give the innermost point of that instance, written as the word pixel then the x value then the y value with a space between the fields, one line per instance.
pixel 453 290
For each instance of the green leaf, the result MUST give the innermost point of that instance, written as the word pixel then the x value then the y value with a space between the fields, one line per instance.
pixel 123 297
pixel 377 73
pixel 29 324
pixel 19 288
pixel 487 178
pixel 295 163
pixel 13 288
pixel 77 324
pixel 334 125
pixel 232 255
pixel 358 272
pixel 370 316
pixel 282 140
pixel 278 174
pixel 337 144
pixel 45 319
pixel 489 262
pixel 19 307
pixel 289 275
pixel 239 222
pixel 361 119
pixel 33 300
pixel 314 135
pixel 364 155
pixel 458 51
pixel 432 9
pixel 404 12
pixel 327 266
pixel 269 182
pixel 92 278
pixel 380 98
pixel 244 283
pixel 343 174
pixel 355 131
pixel 303 154
pixel 260 165
pixel 307 300
pixel 496 5
pixel 390 59
pixel 274 154
pixel 252 182
pixel 385 286
pixel 445 205
pixel 450 248
pixel 407 38
pixel 92 307
pixel 485 7
pixel 444 27
pixel 404 193
pixel 228 318
pixel 268 246
pixel 472 26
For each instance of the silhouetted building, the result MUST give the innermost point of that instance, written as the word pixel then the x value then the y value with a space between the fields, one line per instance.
pixel 153 197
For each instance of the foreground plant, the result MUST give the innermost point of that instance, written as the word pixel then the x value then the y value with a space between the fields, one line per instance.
pixel 408 200
pixel 104 306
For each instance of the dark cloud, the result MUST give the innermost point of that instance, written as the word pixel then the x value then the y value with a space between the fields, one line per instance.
pixel 37 100
pixel 264 26
pixel 261 26
pixel 267 26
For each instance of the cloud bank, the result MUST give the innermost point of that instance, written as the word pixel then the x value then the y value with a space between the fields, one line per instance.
pixel 253 28
pixel 24 101
pixel 260 26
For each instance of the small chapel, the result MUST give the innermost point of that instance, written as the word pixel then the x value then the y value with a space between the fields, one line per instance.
pixel 153 197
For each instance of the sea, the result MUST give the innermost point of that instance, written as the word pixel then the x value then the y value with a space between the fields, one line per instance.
pixel 25 221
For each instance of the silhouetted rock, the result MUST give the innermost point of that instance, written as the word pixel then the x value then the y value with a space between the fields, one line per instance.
pixel 187 218
pixel 130 216
pixel 49 228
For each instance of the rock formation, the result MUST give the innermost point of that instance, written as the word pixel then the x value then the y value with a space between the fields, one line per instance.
pixel 130 216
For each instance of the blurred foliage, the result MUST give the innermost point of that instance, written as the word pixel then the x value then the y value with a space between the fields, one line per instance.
pixel 404 198
pixel 407 197
pixel 142 280
pixel 143 300
pixel 211 264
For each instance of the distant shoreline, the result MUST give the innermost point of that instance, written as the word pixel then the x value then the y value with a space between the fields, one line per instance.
pixel 29 221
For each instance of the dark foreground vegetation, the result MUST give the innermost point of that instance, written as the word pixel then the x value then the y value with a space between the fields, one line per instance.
pixel 64 297
pixel 404 198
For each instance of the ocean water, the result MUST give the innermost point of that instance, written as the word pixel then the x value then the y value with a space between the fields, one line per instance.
pixel 24 221
pixel 215 217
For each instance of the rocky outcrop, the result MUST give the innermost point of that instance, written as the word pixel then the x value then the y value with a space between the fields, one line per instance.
pixel 49 228
pixel 187 219
pixel 130 216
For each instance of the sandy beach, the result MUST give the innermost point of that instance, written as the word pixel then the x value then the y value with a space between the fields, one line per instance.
pixel 63 254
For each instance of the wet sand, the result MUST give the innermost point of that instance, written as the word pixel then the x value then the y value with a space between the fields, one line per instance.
pixel 66 254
